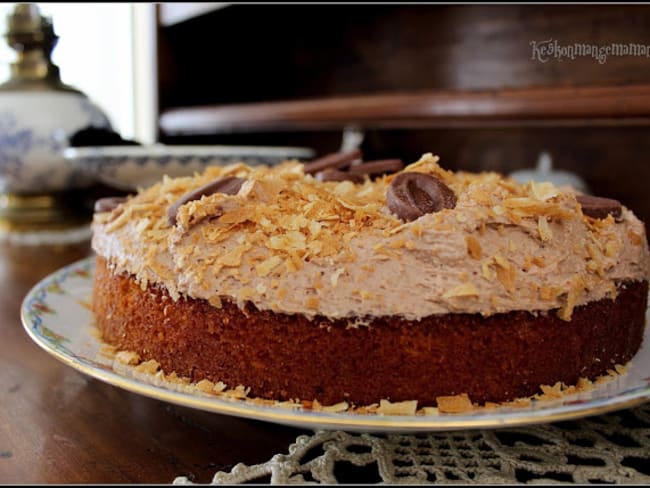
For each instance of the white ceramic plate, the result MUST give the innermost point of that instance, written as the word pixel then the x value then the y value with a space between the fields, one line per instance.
pixel 55 314
pixel 130 167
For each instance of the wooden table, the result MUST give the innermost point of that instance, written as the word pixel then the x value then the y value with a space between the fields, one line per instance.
pixel 60 426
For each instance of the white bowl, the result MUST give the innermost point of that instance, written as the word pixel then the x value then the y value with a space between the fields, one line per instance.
pixel 130 167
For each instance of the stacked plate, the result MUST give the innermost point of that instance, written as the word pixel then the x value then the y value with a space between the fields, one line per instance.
pixel 130 167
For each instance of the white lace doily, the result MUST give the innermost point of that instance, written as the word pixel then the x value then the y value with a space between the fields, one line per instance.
pixel 611 448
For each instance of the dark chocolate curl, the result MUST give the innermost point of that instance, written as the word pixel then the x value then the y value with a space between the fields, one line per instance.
pixel 332 161
pixel 411 195
pixel 377 167
pixel 599 207
pixel 336 175
pixel 108 203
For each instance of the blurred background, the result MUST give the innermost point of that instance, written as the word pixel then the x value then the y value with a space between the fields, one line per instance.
pixel 106 50
pixel 486 87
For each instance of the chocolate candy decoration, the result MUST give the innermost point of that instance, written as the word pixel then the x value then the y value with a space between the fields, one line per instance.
pixel 109 203
pixel 336 175
pixel 411 195
pixel 228 185
pixel 377 167
pixel 599 207
pixel 334 160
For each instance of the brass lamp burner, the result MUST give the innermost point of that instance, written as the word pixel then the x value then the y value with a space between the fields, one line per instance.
pixel 45 211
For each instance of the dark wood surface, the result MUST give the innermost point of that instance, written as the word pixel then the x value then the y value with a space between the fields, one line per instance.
pixel 60 426
pixel 259 53
pixel 579 106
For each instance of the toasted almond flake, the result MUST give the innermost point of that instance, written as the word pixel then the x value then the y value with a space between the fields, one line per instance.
pixel 575 290
pixel 551 392
pixel 107 350
pixel 121 220
pixel 142 225
pixel 602 379
pixel 315 228
pixel 611 248
pixel 539 261
pixel 635 238
pixel 528 262
pixel 233 257
pixel 205 386
pixel 128 357
pixel 549 292
pixel 520 403
pixel 334 278
pixel 150 367
pixel 237 215
pixel 454 404
pixel 428 163
pixel 315 247
pixel 473 247
pixel 245 293
pixel 312 303
pixel 416 230
pixel 462 290
pixel 584 384
pixel 290 265
pixel 545 232
pixel 238 392
pixel 486 269
pixel 398 243
pixel 430 411
pixel 338 407
pixel 498 210
pixel 266 266
pixel 620 369
pixel 505 272
pixel 380 249
pixel 480 196
pixel 408 407
pixel 543 191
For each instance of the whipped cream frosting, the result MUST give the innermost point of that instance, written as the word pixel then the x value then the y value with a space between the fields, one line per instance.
pixel 291 244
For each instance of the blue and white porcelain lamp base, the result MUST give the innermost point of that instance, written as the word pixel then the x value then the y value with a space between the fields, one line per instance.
pixel 39 188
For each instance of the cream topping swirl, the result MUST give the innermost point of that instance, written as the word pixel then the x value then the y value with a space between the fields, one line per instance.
pixel 291 244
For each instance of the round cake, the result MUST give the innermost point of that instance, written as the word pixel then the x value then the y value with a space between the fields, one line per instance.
pixel 309 282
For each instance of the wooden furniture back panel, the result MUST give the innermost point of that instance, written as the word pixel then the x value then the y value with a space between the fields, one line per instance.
pixel 248 53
